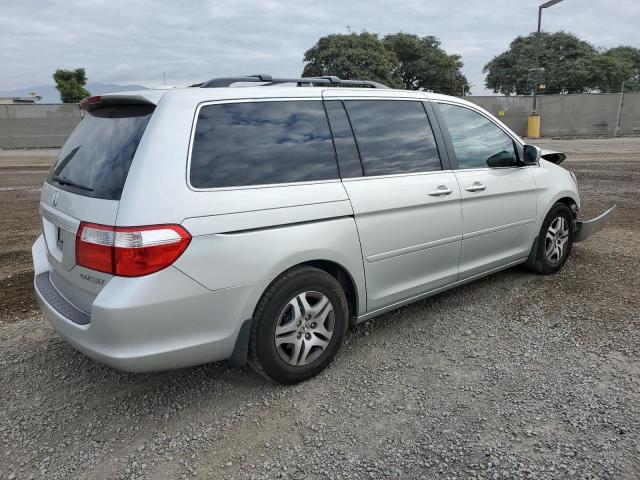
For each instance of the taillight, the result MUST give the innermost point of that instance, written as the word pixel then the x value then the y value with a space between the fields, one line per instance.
pixel 129 251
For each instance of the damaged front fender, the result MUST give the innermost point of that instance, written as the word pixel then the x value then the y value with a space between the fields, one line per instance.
pixel 585 229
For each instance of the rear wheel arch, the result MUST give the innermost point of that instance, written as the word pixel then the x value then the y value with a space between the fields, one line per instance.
pixel 337 271
pixel 263 353
pixel 345 279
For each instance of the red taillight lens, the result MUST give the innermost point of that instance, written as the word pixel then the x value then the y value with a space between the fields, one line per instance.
pixel 94 247
pixel 85 102
pixel 129 251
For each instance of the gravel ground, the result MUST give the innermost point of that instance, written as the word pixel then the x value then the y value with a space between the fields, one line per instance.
pixel 513 376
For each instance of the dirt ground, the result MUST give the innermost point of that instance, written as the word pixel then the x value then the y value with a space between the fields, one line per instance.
pixel 513 376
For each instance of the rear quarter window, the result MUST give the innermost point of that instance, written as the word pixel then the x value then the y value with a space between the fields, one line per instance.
pixel 259 143
pixel 96 158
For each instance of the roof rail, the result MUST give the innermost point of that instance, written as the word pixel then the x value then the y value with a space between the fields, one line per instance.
pixel 269 80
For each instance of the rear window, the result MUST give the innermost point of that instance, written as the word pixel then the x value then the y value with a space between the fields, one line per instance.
pixel 258 143
pixel 95 159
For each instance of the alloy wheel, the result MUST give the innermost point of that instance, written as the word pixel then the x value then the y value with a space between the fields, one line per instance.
pixel 304 328
pixel 556 240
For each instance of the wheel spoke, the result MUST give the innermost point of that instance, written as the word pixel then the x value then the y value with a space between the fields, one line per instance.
pixel 322 315
pixel 291 325
pixel 306 349
pixel 322 331
pixel 316 341
pixel 549 249
pixel 304 304
pixel 318 307
pixel 563 225
pixel 287 339
pixel 295 354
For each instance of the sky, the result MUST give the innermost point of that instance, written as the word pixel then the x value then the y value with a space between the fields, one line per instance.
pixel 135 41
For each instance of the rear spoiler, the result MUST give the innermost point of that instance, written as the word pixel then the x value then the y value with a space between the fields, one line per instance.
pixel 553 157
pixel 98 101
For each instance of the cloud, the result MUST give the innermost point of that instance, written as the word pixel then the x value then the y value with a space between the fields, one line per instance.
pixel 134 42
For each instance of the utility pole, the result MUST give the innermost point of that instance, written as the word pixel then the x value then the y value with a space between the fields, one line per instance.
pixel 620 105
pixel 533 124
pixel 538 46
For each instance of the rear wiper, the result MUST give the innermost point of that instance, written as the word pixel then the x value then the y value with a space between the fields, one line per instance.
pixel 65 181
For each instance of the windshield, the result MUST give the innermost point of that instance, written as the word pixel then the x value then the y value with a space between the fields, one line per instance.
pixel 95 159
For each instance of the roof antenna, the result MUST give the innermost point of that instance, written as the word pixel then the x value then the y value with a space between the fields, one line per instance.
pixel 164 79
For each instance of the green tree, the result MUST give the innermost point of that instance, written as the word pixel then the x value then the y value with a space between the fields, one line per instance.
pixel 605 73
pixel 70 84
pixel 424 64
pixel 631 56
pixel 355 56
pixel 559 53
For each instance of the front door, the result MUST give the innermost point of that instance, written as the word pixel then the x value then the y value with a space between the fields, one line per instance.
pixel 498 195
pixel 406 206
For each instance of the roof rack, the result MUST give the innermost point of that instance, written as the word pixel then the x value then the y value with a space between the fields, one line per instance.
pixel 306 81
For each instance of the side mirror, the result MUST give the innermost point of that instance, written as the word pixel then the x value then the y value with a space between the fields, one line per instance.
pixel 532 155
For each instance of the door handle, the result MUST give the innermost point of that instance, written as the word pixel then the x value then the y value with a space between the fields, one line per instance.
pixel 476 187
pixel 441 190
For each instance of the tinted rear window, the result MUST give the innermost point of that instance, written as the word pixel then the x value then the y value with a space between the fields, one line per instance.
pixel 258 143
pixel 95 159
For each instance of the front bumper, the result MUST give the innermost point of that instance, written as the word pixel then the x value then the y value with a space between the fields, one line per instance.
pixel 586 229
pixel 158 322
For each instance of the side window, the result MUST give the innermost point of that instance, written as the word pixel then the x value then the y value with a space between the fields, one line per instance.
pixel 393 136
pixel 346 148
pixel 257 143
pixel 478 142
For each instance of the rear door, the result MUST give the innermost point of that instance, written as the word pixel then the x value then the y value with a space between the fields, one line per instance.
pixel 498 194
pixel 405 197
pixel 85 184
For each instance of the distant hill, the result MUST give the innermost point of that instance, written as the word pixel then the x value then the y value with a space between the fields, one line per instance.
pixel 49 93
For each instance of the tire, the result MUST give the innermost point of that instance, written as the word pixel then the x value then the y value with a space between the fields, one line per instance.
pixel 554 240
pixel 310 330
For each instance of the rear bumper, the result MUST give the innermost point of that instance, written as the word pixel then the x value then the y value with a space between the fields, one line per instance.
pixel 588 228
pixel 158 322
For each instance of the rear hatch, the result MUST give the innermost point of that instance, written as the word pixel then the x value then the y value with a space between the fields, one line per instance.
pixel 85 185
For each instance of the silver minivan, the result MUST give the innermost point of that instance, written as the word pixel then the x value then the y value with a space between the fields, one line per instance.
pixel 256 223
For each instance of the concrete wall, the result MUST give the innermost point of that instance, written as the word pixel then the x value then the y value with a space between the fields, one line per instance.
pixel 34 126
pixel 567 115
